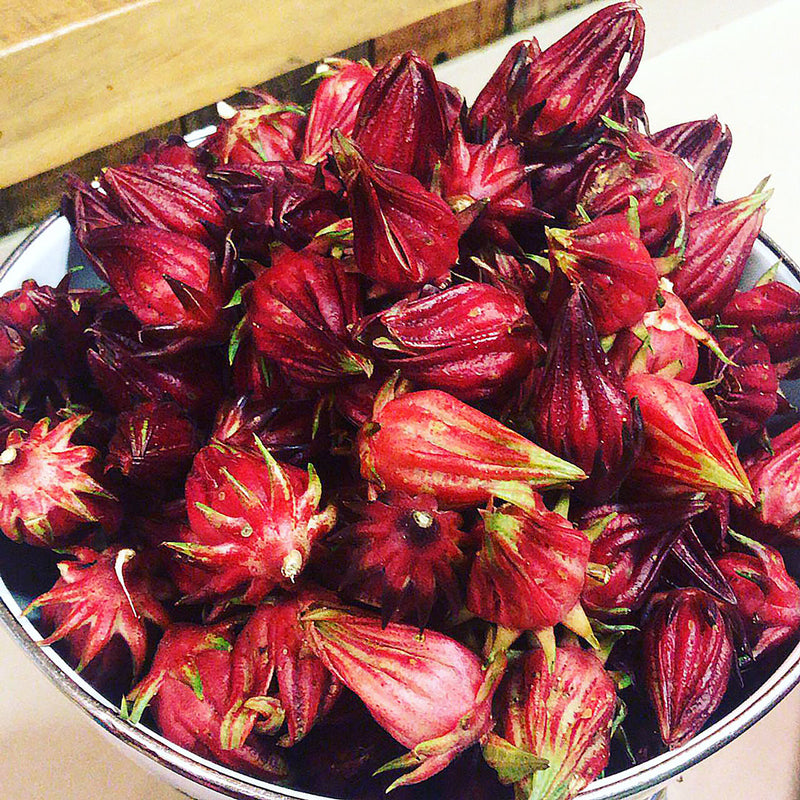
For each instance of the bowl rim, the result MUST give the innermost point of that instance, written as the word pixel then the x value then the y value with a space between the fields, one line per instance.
pixel 649 774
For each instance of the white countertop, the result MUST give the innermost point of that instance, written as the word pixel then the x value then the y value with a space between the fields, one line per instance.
pixel 739 59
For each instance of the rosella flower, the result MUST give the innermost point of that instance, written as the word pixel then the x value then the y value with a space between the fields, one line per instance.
pixel 658 180
pixel 425 690
pixel 607 258
pixel 403 235
pixel 472 340
pixel 266 131
pixel 772 310
pixel 564 715
pixel 664 342
pixel 705 145
pixel 153 444
pixel 685 444
pixel 429 441
pixel 565 89
pixel 47 484
pixel 634 540
pixel 720 241
pixel 172 152
pixel 746 395
pixel 253 521
pixel 775 477
pixel 300 311
pixel 401 121
pixel 174 199
pixel 581 411
pixel 335 104
pixel 169 281
pixel 410 547
pixel 274 648
pixel 187 689
pixel 768 599
pixel 530 569
pixel 687 658
pixel 100 596
pixel 489 113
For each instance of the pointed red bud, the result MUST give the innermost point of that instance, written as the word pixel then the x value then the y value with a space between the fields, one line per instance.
pixel 564 715
pixel 274 645
pixel 705 145
pixel 174 199
pixel 772 310
pixel 472 340
pixel 633 541
pixel 607 258
pixel 775 476
pixel 167 279
pixel 768 599
pixel 566 88
pixel 720 241
pixel 300 311
pixel 656 179
pixel 530 569
pixel 429 441
pixel 685 444
pixel 687 659
pixel 490 111
pixel 403 235
pixel 401 122
pixel 335 104
pixel 425 690
pixel 581 411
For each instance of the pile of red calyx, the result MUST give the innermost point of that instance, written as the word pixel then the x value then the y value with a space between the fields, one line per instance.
pixel 392 417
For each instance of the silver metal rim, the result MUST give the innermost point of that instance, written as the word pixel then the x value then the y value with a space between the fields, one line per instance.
pixel 650 774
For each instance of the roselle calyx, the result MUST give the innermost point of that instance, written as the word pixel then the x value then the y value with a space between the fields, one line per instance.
pixel 665 341
pixel 581 411
pixel 171 282
pixel 720 240
pixel 425 689
pixel 49 486
pixel 772 310
pixel 685 445
pixel 166 197
pixel 401 121
pixel 258 132
pixel 97 597
pixel 659 181
pixel 746 391
pixel 335 104
pixel 634 540
pixel 403 235
pixel 488 181
pixel 153 444
pixel 273 648
pixel 562 92
pixel 429 441
pixel 530 569
pixel 253 521
pixel 472 340
pixel 489 114
pixel 687 655
pixel 300 311
pixel 768 599
pixel 607 258
pixel 411 549
pixel 775 477
pixel 187 689
pixel 563 714
pixel 705 145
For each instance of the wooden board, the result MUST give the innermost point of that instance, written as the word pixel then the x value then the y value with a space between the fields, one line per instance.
pixel 73 83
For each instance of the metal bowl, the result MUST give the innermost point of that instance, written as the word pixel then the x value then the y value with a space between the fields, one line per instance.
pixel 46 255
